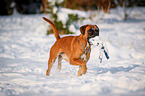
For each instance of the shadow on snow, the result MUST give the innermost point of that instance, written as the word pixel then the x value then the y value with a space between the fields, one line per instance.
pixel 114 70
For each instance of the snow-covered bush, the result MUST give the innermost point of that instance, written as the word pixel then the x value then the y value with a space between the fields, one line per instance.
pixel 62 17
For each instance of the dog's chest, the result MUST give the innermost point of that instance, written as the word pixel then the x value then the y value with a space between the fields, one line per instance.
pixel 84 56
pixel 85 52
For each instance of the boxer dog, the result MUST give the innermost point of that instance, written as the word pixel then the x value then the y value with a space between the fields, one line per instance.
pixel 74 49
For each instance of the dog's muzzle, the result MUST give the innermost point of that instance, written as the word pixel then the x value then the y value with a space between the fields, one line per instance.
pixel 92 32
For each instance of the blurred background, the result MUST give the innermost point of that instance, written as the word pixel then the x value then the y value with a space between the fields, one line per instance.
pixel 39 6
pixel 54 7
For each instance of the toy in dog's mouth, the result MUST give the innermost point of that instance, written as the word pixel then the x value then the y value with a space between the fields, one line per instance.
pixel 95 41
pixel 103 49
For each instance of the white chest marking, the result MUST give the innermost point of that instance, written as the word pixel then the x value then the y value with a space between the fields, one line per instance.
pixel 84 57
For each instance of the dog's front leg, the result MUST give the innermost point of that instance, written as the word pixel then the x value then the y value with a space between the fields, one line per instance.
pixel 81 64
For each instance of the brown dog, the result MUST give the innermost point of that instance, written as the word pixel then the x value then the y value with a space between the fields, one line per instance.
pixel 74 49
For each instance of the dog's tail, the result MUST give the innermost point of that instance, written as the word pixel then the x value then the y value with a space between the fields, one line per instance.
pixel 53 27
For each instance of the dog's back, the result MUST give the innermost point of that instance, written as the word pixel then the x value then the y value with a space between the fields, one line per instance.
pixel 65 44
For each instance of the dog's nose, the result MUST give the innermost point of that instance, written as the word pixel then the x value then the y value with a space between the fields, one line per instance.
pixel 97 32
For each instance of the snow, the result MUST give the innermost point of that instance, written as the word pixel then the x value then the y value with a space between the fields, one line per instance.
pixel 24 51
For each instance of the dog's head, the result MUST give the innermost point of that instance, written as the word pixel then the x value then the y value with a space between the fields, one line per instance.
pixel 90 31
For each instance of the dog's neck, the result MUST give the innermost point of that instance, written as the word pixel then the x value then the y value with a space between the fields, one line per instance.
pixel 83 40
pixel 84 43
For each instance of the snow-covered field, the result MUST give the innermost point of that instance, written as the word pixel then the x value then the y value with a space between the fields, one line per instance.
pixel 24 51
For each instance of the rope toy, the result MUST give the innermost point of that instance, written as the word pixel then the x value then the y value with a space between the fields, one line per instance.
pixel 102 48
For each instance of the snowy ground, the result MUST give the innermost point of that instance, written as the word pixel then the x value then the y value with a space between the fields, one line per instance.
pixel 24 50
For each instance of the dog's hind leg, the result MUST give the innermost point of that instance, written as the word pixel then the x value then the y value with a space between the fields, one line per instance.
pixel 59 62
pixel 50 64
pixel 53 55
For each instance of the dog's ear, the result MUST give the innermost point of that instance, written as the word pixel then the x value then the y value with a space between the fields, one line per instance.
pixel 82 29
pixel 97 27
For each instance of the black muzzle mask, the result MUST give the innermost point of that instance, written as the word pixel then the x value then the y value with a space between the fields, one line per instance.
pixel 92 32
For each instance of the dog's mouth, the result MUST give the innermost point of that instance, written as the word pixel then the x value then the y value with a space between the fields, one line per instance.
pixel 93 32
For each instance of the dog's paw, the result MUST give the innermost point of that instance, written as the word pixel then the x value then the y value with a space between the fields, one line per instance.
pixel 47 73
pixel 84 70
pixel 58 68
